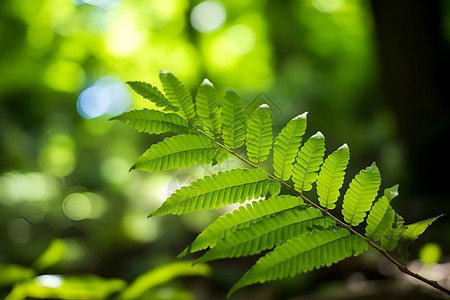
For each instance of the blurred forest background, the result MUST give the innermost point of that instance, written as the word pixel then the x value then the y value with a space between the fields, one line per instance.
pixel 373 74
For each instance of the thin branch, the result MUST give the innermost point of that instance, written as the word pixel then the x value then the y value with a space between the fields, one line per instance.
pixel 402 268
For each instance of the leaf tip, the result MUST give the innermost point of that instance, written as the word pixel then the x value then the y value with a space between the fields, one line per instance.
pixel 164 72
pixel 344 147
pixel 302 116
pixel 207 82
pixel 318 135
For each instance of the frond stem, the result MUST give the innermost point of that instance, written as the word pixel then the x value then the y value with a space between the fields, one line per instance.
pixel 402 268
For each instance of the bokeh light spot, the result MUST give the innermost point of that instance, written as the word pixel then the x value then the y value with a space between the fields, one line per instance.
pixel 327 6
pixel 114 170
pixel 108 96
pixel 241 39
pixel 17 187
pixel 430 253
pixel 124 38
pixel 64 75
pixel 50 281
pixel 77 207
pixel 58 156
pixel 208 16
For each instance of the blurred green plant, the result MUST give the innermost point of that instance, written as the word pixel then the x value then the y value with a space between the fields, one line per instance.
pixel 300 234
pixel 31 282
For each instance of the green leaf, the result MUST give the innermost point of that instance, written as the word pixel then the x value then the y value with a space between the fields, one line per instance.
pixel 88 287
pixel 178 96
pixel 382 215
pixel 153 121
pixel 220 189
pixel 302 254
pixel 208 109
pixel 269 231
pixel 10 274
pixel 286 146
pixel 259 134
pixel 161 275
pixel 180 151
pixel 233 120
pixel 242 217
pixel 390 238
pixel 308 162
pixel 152 93
pixel 331 177
pixel 51 256
pixel 360 195
pixel 410 233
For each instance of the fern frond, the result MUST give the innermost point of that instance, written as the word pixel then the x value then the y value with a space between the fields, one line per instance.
pixel 410 233
pixel 259 134
pixel 286 146
pixel 152 93
pixel 242 217
pixel 178 95
pixel 360 195
pixel 382 215
pixel 180 151
pixel 308 162
pixel 233 120
pixel 154 121
pixel 268 232
pixel 208 109
pixel 302 254
pixel 236 185
pixel 331 177
pixel 389 239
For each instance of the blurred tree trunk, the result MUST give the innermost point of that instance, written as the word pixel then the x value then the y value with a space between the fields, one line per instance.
pixel 414 67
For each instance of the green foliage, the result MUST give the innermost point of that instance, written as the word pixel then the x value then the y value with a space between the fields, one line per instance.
pixel 208 108
pixel 286 146
pixel 240 218
pixel 331 177
pixel 161 275
pixel 27 283
pixel 308 162
pixel 298 234
pixel 178 95
pixel 233 120
pixel 152 93
pixel 382 215
pixel 180 151
pixel 360 195
pixel 302 254
pixel 259 134
pixel 220 189
pixel 153 121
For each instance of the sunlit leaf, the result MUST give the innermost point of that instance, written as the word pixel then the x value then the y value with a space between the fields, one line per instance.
pixel 259 134
pixel 52 255
pixel 308 162
pixel 161 275
pixel 286 146
pixel 10 273
pixel 360 195
pixel 208 109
